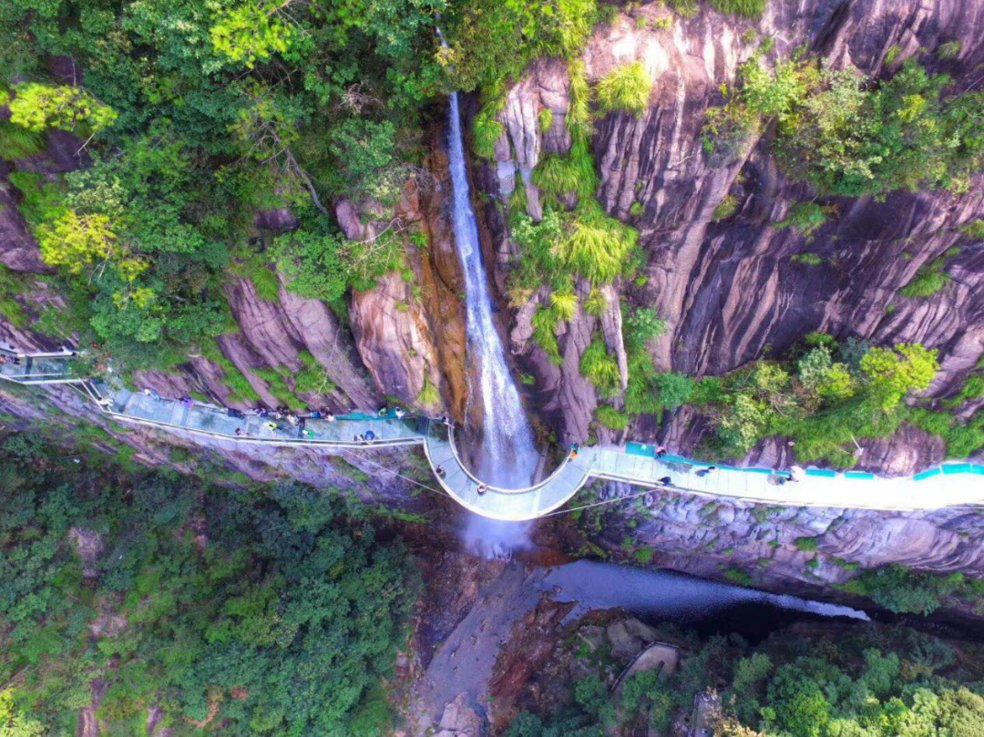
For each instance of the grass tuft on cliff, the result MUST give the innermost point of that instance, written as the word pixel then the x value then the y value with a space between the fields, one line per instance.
pixel 486 130
pixel 747 8
pixel 625 88
pixel 611 418
pixel 564 175
pixel 598 247
pixel 600 368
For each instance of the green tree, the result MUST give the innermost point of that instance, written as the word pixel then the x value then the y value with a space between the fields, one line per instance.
pixel 39 107
pixel 674 389
pixel 77 241
pixel 13 722
pixel 252 32
pixel 742 424
pixel 894 374
pixel 312 265
pixel 818 373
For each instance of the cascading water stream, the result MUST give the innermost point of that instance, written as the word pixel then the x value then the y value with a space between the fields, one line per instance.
pixel 509 456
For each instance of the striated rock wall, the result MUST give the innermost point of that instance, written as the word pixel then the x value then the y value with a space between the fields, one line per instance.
pixel 729 291
pixel 410 329
pixel 717 538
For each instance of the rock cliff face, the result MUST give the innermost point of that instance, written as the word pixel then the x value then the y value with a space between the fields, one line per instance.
pixel 730 291
pixel 410 329
pixel 714 538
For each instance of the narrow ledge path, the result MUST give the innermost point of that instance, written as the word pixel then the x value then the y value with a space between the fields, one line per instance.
pixel 951 484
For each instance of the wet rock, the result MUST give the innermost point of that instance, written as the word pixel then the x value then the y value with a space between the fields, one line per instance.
pixel 461 719
pixel 628 637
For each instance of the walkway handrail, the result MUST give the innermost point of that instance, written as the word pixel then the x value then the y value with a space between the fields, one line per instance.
pixel 951 484
pixel 501 489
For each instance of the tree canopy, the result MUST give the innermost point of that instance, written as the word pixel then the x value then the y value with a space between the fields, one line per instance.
pixel 268 611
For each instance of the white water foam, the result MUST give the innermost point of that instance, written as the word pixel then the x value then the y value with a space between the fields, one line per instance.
pixel 509 456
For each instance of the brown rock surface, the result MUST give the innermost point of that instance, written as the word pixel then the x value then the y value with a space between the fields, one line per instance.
pixel 461 719
pixel 18 249
pixel 729 291
pixel 394 339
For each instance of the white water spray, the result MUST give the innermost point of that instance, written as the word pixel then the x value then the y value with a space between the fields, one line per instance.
pixel 509 456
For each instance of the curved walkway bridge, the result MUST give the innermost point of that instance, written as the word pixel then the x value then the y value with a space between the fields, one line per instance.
pixel 947 485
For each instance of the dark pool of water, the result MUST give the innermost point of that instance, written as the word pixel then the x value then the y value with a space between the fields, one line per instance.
pixel 706 606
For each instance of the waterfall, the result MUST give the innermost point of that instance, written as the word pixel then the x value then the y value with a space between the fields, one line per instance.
pixel 509 455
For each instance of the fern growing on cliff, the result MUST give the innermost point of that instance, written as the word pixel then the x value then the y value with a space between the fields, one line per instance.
pixel 574 173
pixel 598 247
pixel 747 8
pixel 486 130
pixel 600 368
pixel 611 418
pixel 625 88
pixel 564 305
pixel 544 320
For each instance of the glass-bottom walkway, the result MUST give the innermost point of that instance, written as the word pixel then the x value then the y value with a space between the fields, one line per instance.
pixel 947 485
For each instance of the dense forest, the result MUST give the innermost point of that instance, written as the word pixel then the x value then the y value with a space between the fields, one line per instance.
pixel 156 154
pixel 130 595
pixel 126 591
pixel 869 682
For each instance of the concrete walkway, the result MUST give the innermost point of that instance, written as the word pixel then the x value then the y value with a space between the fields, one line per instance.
pixel 948 485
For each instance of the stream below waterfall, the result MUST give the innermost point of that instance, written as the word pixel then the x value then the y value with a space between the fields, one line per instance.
pixel 464 657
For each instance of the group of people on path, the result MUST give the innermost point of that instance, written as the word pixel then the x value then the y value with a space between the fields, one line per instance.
pixel 283 417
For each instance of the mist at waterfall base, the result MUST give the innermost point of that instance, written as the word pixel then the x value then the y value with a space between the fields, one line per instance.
pixel 508 456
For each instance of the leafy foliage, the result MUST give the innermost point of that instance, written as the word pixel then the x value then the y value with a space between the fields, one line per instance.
pixel 200 117
pixel 611 418
pixel 600 368
pixel 282 620
pixel 625 88
pixel 38 107
pixel 824 405
pixel 597 246
pixel 930 278
pixel 854 681
pixel 893 374
pixel 571 174
pixel 806 218
pixel 903 590
pixel 847 136
pixel 725 208
pixel 748 8
pixel 324 265
pixel 251 34
pixel 486 130
pixel 544 322
pixel 492 40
